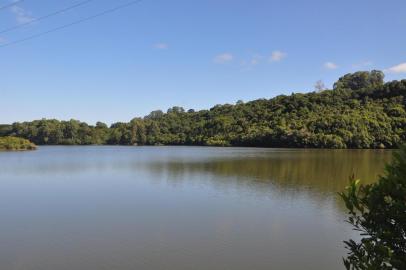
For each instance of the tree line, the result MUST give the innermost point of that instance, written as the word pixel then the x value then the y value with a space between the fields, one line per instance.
pixel 361 111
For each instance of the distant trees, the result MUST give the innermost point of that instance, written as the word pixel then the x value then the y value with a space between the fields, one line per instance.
pixel 176 109
pixel 53 132
pixel 100 134
pixel 361 112
pixel 378 212
pixel 138 132
pixel 119 134
pixel 154 115
pixel 360 79
pixel 4 130
pixel 320 86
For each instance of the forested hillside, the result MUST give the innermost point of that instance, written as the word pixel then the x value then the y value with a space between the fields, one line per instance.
pixel 360 112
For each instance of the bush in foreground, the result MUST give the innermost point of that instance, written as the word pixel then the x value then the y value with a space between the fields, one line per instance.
pixel 15 144
pixel 378 212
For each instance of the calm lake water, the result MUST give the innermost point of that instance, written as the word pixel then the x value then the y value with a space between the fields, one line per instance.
pixel 175 208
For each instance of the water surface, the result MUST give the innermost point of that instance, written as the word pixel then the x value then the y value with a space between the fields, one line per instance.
pixel 175 208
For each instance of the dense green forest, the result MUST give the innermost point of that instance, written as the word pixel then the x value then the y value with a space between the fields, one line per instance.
pixel 15 144
pixel 361 111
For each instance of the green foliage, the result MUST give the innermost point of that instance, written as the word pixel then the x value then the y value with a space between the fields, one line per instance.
pixel 378 212
pixel 361 112
pixel 4 130
pixel 54 132
pixel 15 144
pixel 217 141
pixel 360 80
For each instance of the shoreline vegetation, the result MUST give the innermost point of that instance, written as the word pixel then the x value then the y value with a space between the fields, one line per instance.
pixel 360 112
pixel 15 144
pixel 378 213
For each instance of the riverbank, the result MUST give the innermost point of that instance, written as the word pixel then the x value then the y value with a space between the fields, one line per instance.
pixel 15 144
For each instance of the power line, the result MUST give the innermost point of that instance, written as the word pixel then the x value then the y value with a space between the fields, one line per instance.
pixel 11 4
pixel 45 16
pixel 105 12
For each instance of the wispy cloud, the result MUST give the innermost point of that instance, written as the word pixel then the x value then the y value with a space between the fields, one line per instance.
pixel 255 59
pixel 251 62
pixel 161 46
pixel 401 68
pixel 363 64
pixel 21 15
pixel 330 65
pixel 277 56
pixel 223 58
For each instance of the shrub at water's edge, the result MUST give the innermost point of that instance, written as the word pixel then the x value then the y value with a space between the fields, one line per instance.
pixel 378 212
pixel 15 144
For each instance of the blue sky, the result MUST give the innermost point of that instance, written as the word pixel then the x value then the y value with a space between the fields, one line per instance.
pixel 195 54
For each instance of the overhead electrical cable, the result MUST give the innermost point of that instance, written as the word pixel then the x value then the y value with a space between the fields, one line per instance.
pixel 105 12
pixel 6 6
pixel 76 5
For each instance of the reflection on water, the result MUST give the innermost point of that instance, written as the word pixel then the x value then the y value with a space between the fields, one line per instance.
pixel 176 207
pixel 324 170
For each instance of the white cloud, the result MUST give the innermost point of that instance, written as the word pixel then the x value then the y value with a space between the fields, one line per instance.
pixel 21 15
pixel 223 58
pixel 277 56
pixel 161 46
pixel 330 65
pixel 401 68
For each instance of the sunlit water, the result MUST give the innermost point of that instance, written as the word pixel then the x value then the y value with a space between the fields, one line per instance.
pixel 174 208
